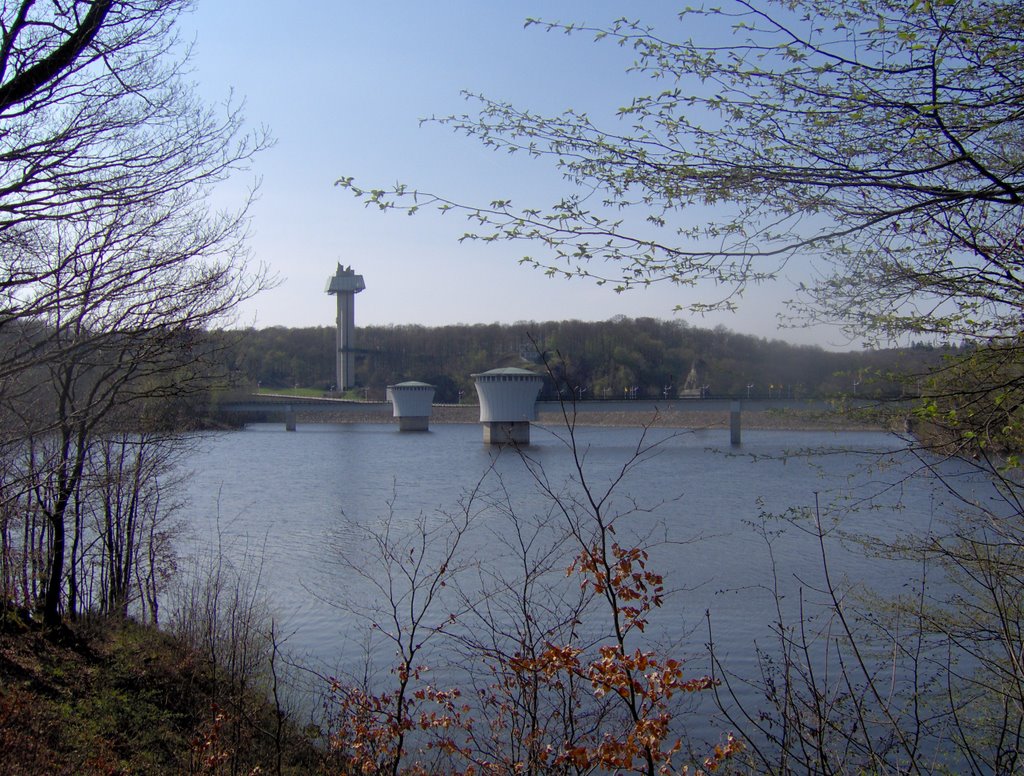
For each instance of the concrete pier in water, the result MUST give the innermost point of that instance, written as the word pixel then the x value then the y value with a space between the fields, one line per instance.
pixel 412 402
pixel 508 402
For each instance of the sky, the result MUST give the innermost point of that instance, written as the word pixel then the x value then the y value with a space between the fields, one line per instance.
pixel 343 86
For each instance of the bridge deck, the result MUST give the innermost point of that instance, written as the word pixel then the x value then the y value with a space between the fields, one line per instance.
pixel 312 406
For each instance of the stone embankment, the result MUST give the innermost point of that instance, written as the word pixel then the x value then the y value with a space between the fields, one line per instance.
pixel 781 419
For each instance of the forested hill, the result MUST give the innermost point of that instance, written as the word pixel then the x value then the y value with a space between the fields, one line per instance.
pixel 606 359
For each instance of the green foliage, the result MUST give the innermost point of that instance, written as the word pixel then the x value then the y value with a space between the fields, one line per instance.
pixel 880 141
pixel 975 404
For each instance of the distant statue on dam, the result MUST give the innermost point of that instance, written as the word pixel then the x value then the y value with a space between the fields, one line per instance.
pixel 695 380
pixel 345 284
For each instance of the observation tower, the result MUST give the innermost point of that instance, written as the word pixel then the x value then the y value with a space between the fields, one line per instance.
pixel 345 284
pixel 508 402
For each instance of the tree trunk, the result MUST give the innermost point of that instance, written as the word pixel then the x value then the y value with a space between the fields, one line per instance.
pixel 51 601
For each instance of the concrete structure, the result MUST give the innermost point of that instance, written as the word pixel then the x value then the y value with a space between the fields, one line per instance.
pixel 345 284
pixel 412 402
pixel 508 402
pixel 734 423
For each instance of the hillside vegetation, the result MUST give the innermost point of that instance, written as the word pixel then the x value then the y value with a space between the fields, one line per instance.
pixel 114 697
pixel 642 358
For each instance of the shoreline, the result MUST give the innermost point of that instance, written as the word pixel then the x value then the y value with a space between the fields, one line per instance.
pixel 777 420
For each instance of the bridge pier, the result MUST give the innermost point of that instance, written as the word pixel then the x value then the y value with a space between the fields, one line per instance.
pixel 289 418
pixel 412 402
pixel 734 424
pixel 507 433
pixel 508 402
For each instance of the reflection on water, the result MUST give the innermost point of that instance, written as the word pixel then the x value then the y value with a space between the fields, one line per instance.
pixel 298 499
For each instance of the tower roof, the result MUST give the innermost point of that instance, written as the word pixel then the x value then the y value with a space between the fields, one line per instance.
pixel 345 280
pixel 509 371
pixel 508 394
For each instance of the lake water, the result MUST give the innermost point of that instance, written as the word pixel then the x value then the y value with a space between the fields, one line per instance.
pixel 298 503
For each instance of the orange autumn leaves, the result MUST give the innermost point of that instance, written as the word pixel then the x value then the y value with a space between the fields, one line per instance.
pixel 635 685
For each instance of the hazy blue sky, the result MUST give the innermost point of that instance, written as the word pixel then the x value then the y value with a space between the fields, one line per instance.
pixel 343 86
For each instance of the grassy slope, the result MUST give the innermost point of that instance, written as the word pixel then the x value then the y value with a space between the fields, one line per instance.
pixel 115 699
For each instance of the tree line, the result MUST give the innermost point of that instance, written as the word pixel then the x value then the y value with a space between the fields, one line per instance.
pixel 614 359
pixel 113 265
pixel 879 140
